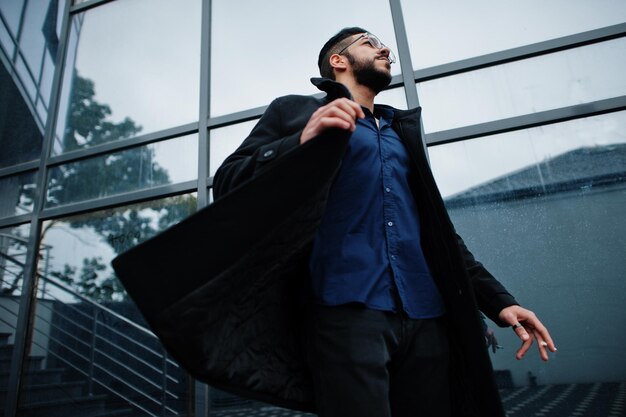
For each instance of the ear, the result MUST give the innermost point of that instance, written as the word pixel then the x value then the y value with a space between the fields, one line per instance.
pixel 339 62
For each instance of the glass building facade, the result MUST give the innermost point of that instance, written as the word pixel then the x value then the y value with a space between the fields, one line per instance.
pixel 115 114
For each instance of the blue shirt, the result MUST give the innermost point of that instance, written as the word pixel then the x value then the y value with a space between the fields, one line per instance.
pixel 367 249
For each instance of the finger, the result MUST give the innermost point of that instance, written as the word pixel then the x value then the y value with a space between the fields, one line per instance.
pixel 351 107
pixel 542 345
pixel 318 126
pixel 545 336
pixel 542 333
pixel 334 122
pixel 521 332
pixel 526 344
pixel 339 112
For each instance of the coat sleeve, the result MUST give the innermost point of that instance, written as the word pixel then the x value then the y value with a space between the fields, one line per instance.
pixel 491 295
pixel 266 143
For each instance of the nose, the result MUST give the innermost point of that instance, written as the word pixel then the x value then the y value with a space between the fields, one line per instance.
pixel 385 52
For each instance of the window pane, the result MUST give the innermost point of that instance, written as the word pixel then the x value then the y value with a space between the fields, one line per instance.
pixel 394 97
pixel 547 82
pixel 17 194
pixel 13 248
pixel 6 42
pixel 21 133
pixel 11 11
pixel 25 77
pixel 543 209
pixel 85 333
pixel 37 26
pixel 141 77
pixel 254 61
pixel 445 32
pixel 160 163
pixel 225 140
pixel 500 156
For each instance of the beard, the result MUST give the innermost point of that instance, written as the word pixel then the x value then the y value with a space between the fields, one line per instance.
pixel 366 73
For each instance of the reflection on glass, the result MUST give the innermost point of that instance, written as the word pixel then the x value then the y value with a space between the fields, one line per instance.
pixel 543 209
pixel 166 162
pixel 13 247
pixel 445 32
pixel 28 44
pixel 38 24
pixel 17 194
pixel 11 11
pixel 253 62
pixel 225 140
pixel 88 121
pixel 6 41
pixel 575 76
pixel 85 328
pixel 83 246
pixel 139 78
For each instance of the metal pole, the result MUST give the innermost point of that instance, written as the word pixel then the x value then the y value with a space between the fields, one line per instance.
pixel 205 85
pixel 201 391
pixel 406 65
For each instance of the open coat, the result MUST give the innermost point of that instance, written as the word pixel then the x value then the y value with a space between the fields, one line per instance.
pixel 225 289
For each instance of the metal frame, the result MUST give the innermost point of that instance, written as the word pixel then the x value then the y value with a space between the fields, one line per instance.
pixel 204 106
pixel 526 121
pixel 23 330
pixel 123 144
pixel 201 403
pixel 406 64
pixel 407 80
pixel 522 52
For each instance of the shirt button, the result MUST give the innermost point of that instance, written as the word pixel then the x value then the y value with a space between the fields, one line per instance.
pixel 393 256
pixel 387 189
pixel 390 224
pixel 269 153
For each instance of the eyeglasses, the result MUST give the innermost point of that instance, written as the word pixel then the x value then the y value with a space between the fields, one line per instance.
pixel 375 42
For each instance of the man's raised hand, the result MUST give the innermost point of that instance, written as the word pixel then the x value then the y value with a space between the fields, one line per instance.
pixel 340 113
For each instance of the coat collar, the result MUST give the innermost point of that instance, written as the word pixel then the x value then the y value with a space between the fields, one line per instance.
pixel 337 90
pixel 333 88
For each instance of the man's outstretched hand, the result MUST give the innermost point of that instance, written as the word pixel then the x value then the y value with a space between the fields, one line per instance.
pixel 528 327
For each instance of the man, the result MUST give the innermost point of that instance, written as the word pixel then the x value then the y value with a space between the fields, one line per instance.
pixel 393 327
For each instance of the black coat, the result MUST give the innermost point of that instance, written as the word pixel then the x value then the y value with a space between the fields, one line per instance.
pixel 228 284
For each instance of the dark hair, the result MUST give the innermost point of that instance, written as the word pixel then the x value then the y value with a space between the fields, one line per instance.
pixel 332 46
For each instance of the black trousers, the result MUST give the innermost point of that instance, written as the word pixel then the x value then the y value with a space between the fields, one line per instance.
pixel 380 364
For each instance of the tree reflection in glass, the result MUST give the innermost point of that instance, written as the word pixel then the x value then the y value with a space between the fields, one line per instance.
pixel 123 171
pixel 83 246
pixel 87 123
